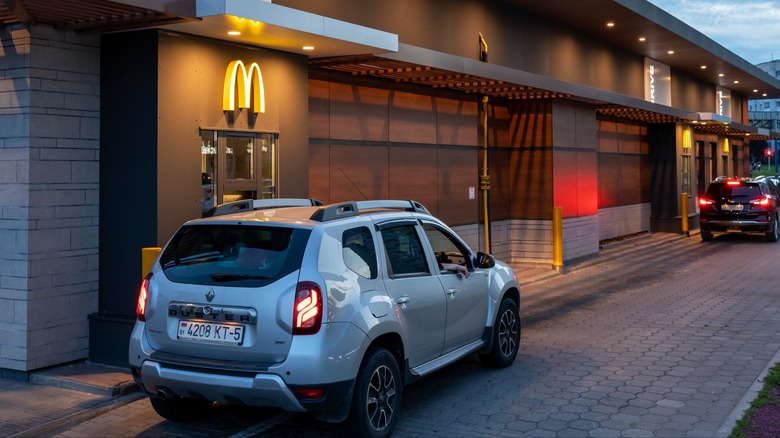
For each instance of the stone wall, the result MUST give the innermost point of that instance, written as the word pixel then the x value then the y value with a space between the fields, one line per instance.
pixel 49 177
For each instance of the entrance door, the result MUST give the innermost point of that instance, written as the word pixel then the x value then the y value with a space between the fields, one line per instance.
pixel 237 165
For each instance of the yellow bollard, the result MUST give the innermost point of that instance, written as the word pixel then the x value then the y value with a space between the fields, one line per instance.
pixel 684 214
pixel 148 256
pixel 558 240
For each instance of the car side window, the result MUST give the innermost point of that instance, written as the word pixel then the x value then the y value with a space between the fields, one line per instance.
pixel 404 251
pixel 446 247
pixel 359 251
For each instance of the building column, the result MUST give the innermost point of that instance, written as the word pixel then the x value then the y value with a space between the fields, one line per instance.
pixel 49 97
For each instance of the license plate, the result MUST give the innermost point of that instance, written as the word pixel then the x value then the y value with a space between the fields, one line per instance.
pixel 227 334
pixel 731 207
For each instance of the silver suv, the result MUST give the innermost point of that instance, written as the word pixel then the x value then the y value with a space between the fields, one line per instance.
pixel 323 309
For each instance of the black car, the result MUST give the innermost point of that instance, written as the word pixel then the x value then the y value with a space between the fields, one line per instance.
pixel 740 205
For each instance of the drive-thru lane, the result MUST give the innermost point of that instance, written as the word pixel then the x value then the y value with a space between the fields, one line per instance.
pixel 661 339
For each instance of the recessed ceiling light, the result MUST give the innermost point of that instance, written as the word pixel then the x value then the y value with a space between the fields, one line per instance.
pixel 720 75
pixel 641 38
pixel 755 91
pixel 610 24
pixel 234 33
pixel 671 52
pixel 736 82
pixel 308 47
pixel 764 94
pixel 703 67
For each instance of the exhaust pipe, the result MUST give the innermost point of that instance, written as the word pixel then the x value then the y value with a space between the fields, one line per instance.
pixel 165 393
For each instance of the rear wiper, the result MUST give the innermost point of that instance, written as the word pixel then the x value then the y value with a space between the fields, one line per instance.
pixel 235 277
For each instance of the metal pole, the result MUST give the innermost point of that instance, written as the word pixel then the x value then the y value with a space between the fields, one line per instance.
pixel 484 177
pixel 558 240
pixel 684 213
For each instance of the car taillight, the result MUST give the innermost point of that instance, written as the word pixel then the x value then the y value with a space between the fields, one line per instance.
pixel 763 201
pixel 307 312
pixel 733 183
pixel 705 201
pixel 140 307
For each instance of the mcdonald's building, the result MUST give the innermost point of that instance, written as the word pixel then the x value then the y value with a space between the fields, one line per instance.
pixel 121 119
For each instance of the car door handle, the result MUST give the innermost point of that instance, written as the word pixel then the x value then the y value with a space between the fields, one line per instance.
pixel 452 292
pixel 403 300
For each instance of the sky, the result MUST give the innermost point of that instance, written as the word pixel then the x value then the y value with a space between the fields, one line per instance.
pixel 749 28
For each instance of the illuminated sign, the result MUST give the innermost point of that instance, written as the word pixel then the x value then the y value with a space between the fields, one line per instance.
pixel 247 84
pixel 723 101
pixel 658 80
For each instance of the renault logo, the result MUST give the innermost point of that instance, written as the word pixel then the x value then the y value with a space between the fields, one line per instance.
pixel 248 84
pixel 210 295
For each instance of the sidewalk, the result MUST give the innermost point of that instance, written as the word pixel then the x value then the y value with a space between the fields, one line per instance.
pixel 58 398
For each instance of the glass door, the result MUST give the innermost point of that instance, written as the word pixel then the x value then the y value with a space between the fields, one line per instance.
pixel 237 165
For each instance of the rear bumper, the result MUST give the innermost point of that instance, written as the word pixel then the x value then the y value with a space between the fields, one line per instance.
pixel 736 226
pixel 261 390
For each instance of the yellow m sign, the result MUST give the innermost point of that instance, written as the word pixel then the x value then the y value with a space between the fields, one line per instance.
pixel 248 84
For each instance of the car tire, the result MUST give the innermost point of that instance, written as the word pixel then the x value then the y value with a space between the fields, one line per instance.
pixel 706 235
pixel 773 234
pixel 376 402
pixel 506 336
pixel 180 409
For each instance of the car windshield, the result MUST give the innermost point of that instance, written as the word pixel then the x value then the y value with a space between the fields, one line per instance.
pixel 239 255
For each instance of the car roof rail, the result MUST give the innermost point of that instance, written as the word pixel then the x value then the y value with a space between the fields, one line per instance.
pixel 260 204
pixel 352 208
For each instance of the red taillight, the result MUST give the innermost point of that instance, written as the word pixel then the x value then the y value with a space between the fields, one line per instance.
pixel 140 307
pixel 307 312
pixel 705 201
pixel 733 183
pixel 764 201
pixel 310 392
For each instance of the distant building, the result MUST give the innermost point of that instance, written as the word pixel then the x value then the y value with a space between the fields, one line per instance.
pixel 765 113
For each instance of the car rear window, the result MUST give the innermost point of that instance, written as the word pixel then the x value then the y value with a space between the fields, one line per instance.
pixel 748 191
pixel 238 255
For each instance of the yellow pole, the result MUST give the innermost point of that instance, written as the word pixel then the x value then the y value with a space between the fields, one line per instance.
pixel 484 179
pixel 148 256
pixel 558 239
pixel 684 213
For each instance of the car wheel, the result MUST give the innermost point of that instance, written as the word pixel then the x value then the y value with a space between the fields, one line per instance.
pixel 180 408
pixel 706 235
pixel 377 399
pixel 506 336
pixel 773 234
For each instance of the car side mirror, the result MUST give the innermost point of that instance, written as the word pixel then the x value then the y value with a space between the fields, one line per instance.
pixel 485 261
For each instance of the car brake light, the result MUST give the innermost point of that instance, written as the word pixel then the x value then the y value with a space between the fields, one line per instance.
pixel 307 312
pixel 764 201
pixel 705 201
pixel 733 183
pixel 140 307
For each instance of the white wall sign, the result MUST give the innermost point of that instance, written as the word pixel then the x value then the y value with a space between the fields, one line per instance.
pixel 658 82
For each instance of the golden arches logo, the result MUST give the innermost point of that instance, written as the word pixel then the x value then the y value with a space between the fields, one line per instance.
pixel 249 86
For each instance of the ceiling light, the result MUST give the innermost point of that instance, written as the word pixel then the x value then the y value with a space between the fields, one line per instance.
pixel 308 47
pixel 610 24
pixel 736 82
pixel 234 33
pixel 764 95
pixel 755 91
pixel 641 38
pixel 703 67
pixel 720 75
pixel 671 52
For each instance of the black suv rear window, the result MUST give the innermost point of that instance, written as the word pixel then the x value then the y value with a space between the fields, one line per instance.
pixel 239 255
pixel 743 190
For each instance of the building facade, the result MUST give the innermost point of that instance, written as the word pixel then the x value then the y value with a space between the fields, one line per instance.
pixel 492 114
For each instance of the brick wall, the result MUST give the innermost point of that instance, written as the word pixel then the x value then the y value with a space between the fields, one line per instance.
pixel 49 175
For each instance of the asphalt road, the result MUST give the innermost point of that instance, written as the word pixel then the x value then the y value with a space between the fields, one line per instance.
pixel 664 341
